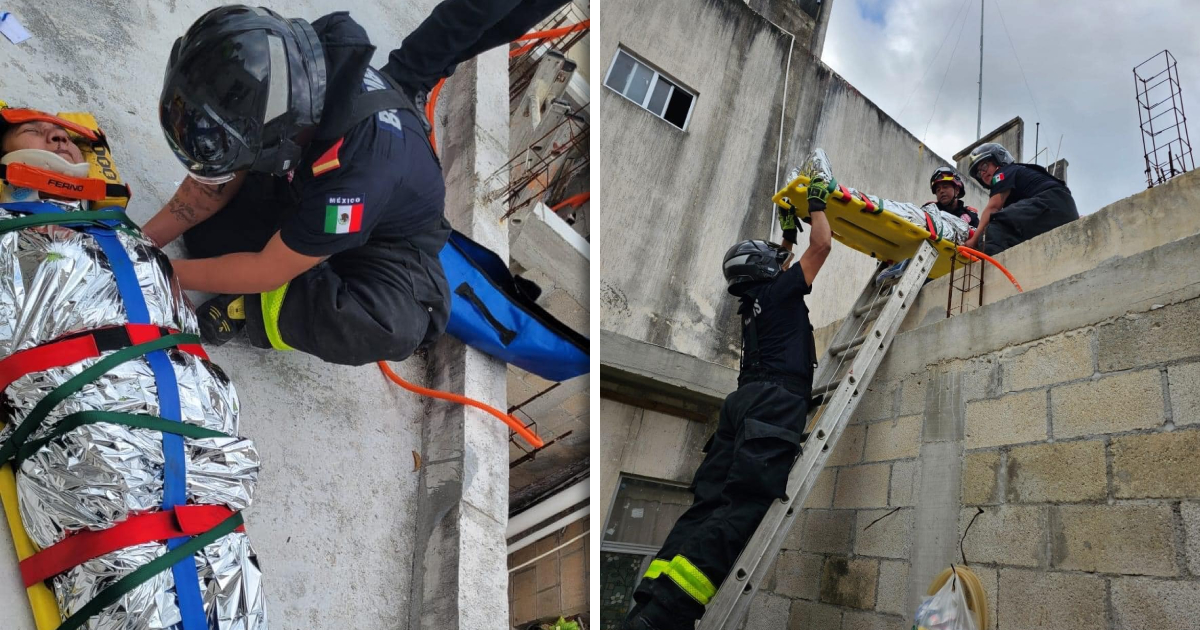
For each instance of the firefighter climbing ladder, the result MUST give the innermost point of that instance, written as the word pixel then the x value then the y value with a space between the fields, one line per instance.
pixel 842 376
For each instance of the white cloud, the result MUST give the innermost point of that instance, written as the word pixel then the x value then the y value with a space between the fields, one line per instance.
pixel 1077 56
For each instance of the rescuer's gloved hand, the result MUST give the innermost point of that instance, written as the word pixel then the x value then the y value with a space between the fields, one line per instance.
pixel 787 221
pixel 818 194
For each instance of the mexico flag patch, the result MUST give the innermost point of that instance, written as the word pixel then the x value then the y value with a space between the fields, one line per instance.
pixel 998 178
pixel 343 215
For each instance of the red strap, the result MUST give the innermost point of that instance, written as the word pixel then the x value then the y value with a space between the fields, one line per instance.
pixel 184 520
pixel 74 350
pixel 869 207
pixel 929 226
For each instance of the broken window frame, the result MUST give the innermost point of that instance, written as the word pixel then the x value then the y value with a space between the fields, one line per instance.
pixel 655 78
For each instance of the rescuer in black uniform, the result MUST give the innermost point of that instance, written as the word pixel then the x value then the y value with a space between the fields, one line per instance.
pixel 948 188
pixel 758 435
pixel 1026 200
pixel 312 191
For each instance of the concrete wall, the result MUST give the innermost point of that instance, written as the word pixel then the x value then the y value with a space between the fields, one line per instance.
pixel 676 200
pixel 1063 421
pixel 647 443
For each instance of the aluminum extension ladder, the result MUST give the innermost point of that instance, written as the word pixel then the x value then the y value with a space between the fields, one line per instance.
pixel 843 374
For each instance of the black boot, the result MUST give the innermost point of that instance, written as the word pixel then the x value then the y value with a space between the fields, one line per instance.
pixel 221 318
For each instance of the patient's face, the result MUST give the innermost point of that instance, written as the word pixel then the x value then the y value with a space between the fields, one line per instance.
pixel 41 135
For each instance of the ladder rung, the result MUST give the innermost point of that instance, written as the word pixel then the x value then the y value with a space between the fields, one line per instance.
pixel 869 307
pixel 826 388
pixel 842 347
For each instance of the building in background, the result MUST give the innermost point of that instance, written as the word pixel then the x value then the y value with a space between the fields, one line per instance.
pixel 547 210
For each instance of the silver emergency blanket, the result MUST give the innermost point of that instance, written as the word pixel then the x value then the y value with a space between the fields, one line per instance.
pixel 56 281
pixel 945 225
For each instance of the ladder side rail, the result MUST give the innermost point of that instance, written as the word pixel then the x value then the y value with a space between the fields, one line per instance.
pixel 729 607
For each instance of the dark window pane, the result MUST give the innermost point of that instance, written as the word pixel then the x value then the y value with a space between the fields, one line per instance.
pixel 619 575
pixel 678 108
pixel 640 83
pixel 620 72
pixel 662 90
pixel 645 511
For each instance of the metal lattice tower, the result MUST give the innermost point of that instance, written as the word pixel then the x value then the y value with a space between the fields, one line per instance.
pixel 1165 143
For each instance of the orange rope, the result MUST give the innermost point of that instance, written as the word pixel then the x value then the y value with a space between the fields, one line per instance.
pixel 574 201
pixel 554 32
pixel 517 52
pixel 430 109
pixel 976 255
pixel 513 423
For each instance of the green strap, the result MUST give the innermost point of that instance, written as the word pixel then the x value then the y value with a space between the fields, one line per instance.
pixel 137 421
pixel 690 579
pixel 96 216
pixel 121 587
pixel 76 383
pixel 272 304
pixel 658 566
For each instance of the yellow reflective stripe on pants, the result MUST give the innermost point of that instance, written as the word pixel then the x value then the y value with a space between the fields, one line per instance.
pixel 657 568
pixel 272 303
pixel 691 580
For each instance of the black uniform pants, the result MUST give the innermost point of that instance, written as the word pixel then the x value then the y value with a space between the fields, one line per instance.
pixel 746 468
pixel 458 30
pixel 341 312
pixel 1028 218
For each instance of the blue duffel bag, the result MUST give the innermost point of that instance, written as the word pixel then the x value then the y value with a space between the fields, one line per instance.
pixel 490 312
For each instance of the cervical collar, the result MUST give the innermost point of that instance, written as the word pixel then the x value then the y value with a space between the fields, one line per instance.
pixel 39 159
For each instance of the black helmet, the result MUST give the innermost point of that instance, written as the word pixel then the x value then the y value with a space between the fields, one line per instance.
pixel 989 150
pixel 241 85
pixel 750 262
pixel 947 174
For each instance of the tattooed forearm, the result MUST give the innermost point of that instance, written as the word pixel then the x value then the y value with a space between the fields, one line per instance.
pixel 183 211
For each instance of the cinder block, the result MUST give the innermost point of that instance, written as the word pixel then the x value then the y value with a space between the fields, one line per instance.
pixel 980 377
pixel 821 495
pixel 809 615
pixel 893 588
pixel 862 486
pixel 853 620
pixel 850 582
pixel 912 395
pixel 1157 466
pixel 981 472
pixel 824 531
pixel 906 478
pixel 890 537
pixel 1036 600
pixel 1006 534
pixel 1056 359
pixel 1185 393
pixel 798 575
pixel 1127 539
pixel 1148 603
pixel 990 578
pixel 768 612
pixel 1123 402
pixel 1010 419
pixel 893 439
pixel 878 402
pixel 1063 472
pixel 849 447
pixel 1153 337
pixel 1191 529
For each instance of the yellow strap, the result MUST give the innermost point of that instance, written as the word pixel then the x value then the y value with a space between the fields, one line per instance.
pixel 657 568
pixel 272 303
pixel 41 600
pixel 691 580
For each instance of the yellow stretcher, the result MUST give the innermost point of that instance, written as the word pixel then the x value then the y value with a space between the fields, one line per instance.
pixel 882 235
pixel 41 600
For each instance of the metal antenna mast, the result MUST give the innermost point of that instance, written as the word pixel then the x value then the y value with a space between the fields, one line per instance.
pixel 979 111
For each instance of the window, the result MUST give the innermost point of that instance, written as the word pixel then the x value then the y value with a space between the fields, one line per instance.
pixel 649 88
pixel 640 519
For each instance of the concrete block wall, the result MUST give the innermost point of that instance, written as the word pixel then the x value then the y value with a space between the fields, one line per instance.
pixel 1071 458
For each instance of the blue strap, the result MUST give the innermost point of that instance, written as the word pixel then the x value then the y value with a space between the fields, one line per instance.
pixel 187 578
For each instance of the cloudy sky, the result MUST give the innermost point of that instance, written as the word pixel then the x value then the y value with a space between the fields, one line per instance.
pixel 1078 57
